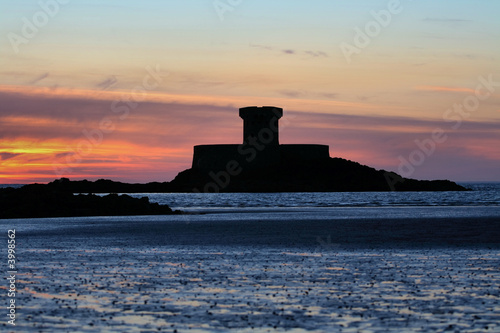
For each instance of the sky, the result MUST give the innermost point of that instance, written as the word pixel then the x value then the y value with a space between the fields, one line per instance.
pixel 123 90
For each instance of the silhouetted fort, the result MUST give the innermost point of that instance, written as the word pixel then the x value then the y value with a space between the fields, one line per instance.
pixel 260 147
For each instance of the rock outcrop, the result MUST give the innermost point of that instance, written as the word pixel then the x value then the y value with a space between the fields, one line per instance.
pixel 321 175
pixel 52 200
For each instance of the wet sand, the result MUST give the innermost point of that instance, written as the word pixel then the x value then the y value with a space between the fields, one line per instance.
pixel 205 230
pixel 204 274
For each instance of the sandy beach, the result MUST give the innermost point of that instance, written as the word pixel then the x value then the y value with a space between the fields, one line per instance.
pixel 217 272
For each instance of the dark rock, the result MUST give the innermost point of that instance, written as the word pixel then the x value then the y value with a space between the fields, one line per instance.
pixel 321 175
pixel 57 200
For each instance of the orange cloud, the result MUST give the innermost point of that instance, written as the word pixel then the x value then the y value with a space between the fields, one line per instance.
pixel 319 105
pixel 34 161
pixel 445 89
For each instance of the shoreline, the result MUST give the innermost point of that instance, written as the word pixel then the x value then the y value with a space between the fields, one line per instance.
pixel 328 233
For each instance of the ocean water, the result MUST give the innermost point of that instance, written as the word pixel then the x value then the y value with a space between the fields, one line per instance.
pixel 266 262
pixel 11 185
pixel 482 195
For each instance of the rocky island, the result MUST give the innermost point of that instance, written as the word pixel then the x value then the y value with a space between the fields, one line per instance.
pixel 259 164
pixel 262 164
pixel 54 200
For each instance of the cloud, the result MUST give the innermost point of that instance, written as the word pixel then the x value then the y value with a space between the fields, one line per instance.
pixel 445 20
pixel 308 53
pixel 306 94
pixel 329 95
pixel 17 94
pixel 467 56
pixel 7 156
pixel 445 89
pixel 63 154
pixel 39 78
pixel 316 53
pixel 259 46
pixel 195 83
pixel 58 117
pixel 107 83
pixel 452 23
pixel 291 93
pixel 392 124
pixel 380 141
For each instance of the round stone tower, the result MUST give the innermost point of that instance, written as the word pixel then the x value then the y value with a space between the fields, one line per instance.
pixel 260 148
pixel 260 124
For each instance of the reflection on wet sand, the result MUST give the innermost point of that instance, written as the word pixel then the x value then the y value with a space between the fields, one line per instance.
pixel 207 288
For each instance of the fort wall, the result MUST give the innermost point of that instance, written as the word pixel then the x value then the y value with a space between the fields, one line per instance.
pixel 260 147
pixel 216 157
pixel 304 152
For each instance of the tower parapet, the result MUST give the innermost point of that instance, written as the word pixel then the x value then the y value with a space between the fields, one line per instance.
pixel 260 124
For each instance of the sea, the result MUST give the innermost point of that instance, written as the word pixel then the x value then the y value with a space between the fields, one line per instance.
pixel 482 195
pixel 263 262
pixel 485 194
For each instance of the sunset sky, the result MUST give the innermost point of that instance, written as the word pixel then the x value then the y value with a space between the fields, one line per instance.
pixel 123 90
